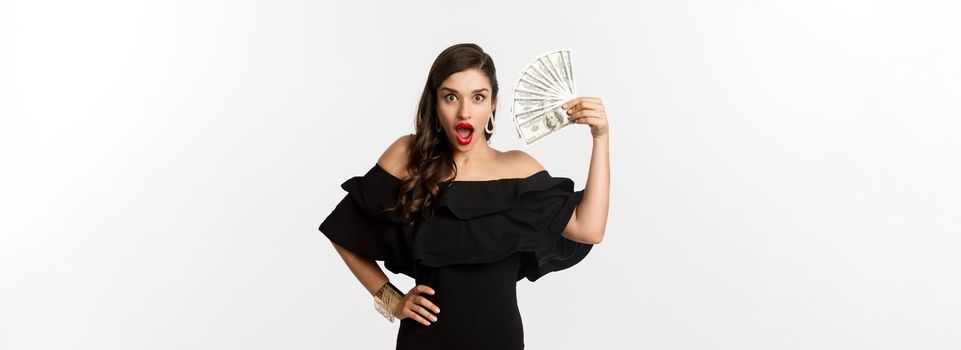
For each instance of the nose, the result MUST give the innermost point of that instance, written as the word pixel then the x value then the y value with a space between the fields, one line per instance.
pixel 464 112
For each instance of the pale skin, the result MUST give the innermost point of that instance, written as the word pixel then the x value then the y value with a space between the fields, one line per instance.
pixel 466 97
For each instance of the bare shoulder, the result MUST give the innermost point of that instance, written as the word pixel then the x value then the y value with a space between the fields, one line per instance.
pixel 395 157
pixel 522 164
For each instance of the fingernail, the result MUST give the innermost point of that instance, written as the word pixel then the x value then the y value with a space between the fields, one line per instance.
pixel 564 106
pixel 568 111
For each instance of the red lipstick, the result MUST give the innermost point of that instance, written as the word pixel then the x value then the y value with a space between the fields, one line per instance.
pixel 464 132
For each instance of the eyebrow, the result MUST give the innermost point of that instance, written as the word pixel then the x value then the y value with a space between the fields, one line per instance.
pixel 452 90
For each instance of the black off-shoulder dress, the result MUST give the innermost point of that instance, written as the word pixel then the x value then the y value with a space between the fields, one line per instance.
pixel 484 236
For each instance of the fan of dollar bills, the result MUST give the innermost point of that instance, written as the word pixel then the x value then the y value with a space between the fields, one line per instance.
pixel 543 86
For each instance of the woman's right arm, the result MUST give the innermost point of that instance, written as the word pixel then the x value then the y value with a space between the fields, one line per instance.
pixel 367 271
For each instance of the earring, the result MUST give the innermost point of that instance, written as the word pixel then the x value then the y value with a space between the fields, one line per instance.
pixel 491 130
pixel 437 127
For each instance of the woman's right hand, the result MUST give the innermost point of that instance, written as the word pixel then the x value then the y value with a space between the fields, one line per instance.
pixel 417 307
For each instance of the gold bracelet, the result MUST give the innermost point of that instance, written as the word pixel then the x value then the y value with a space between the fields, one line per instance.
pixel 386 300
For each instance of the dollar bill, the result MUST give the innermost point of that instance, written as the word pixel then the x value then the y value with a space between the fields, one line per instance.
pixel 543 124
pixel 560 65
pixel 554 63
pixel 524 116
pixel 522 105
pixel 566 58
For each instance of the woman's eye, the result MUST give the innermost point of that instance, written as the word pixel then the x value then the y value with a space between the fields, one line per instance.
pixel 450 97
pixel 478 97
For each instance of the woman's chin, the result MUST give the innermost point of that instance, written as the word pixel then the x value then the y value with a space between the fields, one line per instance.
pixel 461 148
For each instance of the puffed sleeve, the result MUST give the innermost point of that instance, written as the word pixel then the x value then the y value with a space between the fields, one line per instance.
pixel 360 223
pixel 549 210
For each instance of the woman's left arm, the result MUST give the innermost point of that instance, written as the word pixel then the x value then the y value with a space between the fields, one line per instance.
pixel 589 221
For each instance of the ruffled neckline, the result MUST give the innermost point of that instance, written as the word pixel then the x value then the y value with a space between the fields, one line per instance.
pixel 506 179
pixel 468 199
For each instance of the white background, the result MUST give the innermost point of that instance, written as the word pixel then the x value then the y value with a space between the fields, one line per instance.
pixel 784 173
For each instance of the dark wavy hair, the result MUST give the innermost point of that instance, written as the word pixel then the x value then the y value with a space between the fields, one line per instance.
pixel 430 159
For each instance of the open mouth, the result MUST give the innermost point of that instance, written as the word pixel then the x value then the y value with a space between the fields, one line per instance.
pixel 465 132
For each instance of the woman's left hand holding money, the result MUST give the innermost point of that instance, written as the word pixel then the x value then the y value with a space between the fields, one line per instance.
pixel 590 111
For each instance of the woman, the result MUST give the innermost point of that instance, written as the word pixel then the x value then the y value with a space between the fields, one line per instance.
pixel 464 220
